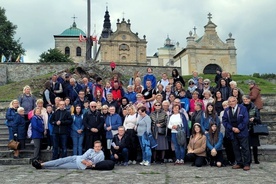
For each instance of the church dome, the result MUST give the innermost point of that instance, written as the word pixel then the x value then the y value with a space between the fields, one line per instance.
pixel 72 31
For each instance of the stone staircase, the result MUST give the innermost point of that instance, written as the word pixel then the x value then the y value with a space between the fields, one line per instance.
pixel 267 150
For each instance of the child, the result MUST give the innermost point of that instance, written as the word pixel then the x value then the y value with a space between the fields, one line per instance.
pixel 185 102
pixel 86 106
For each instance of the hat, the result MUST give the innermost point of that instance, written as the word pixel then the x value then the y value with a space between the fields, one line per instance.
pixel 191 81
pixel 207 81
pixel 197 124
pixel 251 82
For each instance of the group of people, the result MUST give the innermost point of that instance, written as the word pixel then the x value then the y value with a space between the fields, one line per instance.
pixel 83 113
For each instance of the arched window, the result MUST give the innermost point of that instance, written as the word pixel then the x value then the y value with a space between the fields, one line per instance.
pixel 124 47
pixel 123 58
pixel 67 51
pixel 78 51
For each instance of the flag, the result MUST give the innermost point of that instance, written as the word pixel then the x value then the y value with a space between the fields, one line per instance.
pixel 21 59
pixel 94 39
pixel 3 59
pixel 18 58
pixel 10 58
pixel 81 38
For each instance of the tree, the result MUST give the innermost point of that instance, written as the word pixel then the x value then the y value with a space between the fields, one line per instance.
pixel 9 47
pixel 54 56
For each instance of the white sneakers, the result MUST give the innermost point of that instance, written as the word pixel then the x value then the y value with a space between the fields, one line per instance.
pixel 145 163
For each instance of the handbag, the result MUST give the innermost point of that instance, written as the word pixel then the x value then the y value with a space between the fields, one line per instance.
pixel 161 130
pixel 13 144
pixel 181 136
pixel 260 129
pixel 150 138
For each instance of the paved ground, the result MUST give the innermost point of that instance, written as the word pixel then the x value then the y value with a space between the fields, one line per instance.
pixel 167 173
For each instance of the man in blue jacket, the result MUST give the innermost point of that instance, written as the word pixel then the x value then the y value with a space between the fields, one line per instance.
pixel 235 120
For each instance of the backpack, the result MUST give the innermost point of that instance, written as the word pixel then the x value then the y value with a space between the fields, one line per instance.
pixel 29 132
pixel 181 136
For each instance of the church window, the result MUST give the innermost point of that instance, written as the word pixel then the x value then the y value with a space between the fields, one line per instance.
pixel 123 58
pixel 78 51
pixel 67 51
pixel 124 47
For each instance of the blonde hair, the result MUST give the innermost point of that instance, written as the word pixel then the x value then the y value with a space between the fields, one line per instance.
pixel 39 101
pixel 132 107
pixel 225 103
pixel 12 102
pixel 25 87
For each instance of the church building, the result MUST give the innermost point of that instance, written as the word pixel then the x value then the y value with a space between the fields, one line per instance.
pixel 69 43
pixel 121 46
pixel 207 53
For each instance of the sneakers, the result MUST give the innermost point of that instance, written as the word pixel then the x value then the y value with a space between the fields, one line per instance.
pixel 143 162
pixel 170 160
pixel 134 162
pixel 36 164
pixel 177 162
pixel 147 163
pixel 181 162
pixel 129 162
pixel 48 148
pixel 125 164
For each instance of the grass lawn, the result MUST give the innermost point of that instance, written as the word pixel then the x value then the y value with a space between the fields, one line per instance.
pixel 13 90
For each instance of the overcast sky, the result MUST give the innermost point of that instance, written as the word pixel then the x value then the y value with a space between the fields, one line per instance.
pixel 252 23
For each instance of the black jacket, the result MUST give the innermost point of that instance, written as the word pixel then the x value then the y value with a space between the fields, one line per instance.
pixel 123 143
pixel 66 120
pixel 93 119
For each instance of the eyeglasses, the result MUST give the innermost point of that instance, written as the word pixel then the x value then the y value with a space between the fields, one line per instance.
pixel 157 105
pixel 93 106
pixel 206 83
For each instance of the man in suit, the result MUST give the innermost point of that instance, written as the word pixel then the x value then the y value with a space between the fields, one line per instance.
pixel 235 120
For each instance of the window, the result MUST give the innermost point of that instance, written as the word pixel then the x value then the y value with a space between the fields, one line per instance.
pixel 67 51
pixel 78 51
pixel 124 47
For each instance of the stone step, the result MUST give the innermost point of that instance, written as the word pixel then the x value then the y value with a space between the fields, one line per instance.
pixel 11 161
pixel 268 140
pixel 28 146
pixel 5 140
pixel 268 116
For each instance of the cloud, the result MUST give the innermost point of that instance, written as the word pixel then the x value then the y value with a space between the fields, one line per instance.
pixel 251 23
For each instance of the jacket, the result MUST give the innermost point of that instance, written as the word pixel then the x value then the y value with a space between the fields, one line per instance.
pixel 18 126
pixel 242 121
pixel 217 145
pixel 66 120
pixel 27 102
pixel 131 96
pixel 255 96
pixel 206 122
pixel 77 125
pixel 114 121
pixel 198 146
pixel 10 116
pixel 158 118
pixel 92 119
pixel 123 143
pixel 37 127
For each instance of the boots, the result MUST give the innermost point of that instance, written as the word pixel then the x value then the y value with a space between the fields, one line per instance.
pixel 255 154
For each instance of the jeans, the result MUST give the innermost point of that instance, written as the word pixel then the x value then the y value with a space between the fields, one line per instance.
pixel 77 145
pixel 59 139
pixel 179 150
pixel 49 138
pixel 198 160
pixel 62 163
pixel 122 156
pixel 146 150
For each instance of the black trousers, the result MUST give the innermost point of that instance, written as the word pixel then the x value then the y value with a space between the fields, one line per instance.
pixel 241 150
pixel 90 139
pixel 198 160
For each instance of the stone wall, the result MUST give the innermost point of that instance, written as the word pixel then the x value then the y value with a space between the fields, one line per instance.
pixel 20 71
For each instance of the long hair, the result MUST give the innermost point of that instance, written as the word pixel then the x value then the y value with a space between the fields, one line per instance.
pixel 213 113
pixel 75 107
pixel 213 135
pixel 193 129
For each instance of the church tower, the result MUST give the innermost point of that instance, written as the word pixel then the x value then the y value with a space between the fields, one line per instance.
pixel 122 46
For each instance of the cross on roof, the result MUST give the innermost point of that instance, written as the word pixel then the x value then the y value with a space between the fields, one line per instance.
pixel 74 17
pixel 194 30
pixel 123 14
pixel 209 16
